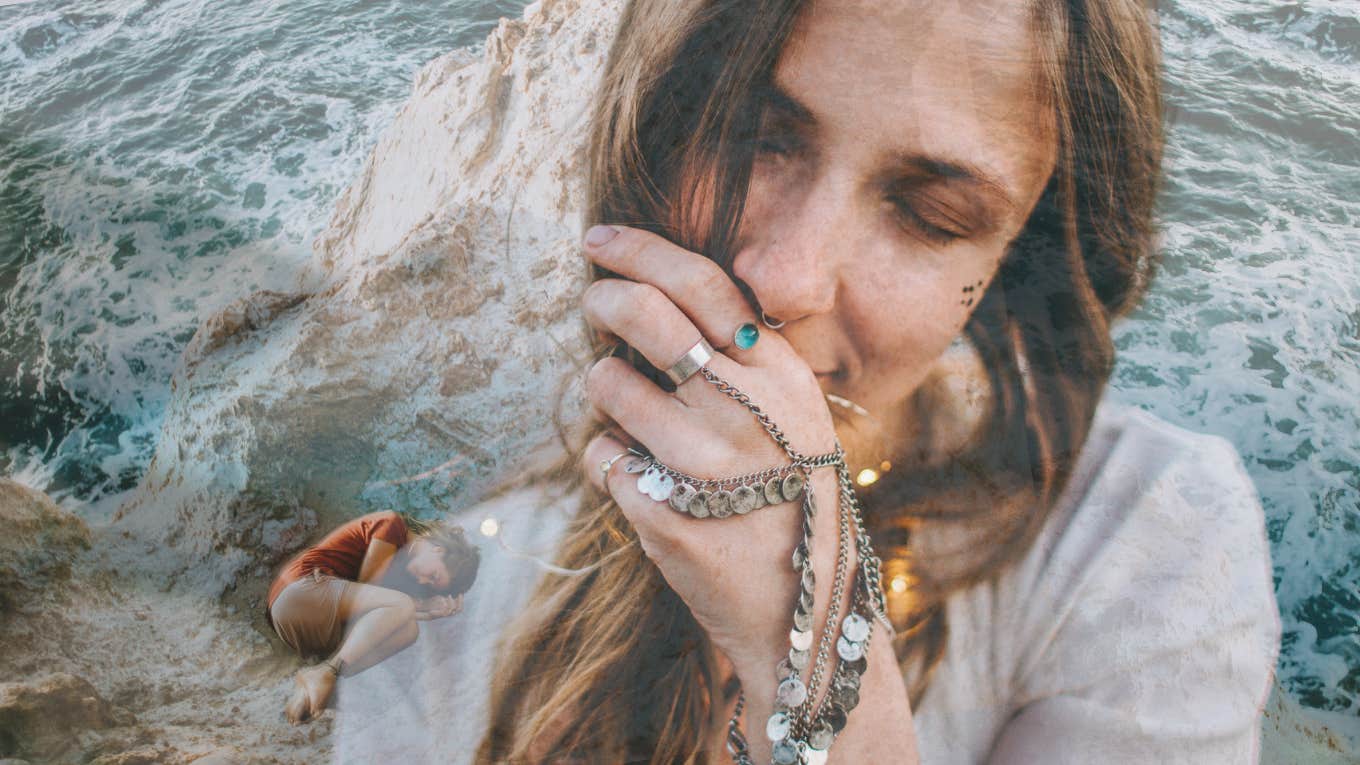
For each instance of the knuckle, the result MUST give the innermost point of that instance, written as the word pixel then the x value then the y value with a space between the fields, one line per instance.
pixel 597 292
pixel 710 279
pixel 644 300
pixel 600 380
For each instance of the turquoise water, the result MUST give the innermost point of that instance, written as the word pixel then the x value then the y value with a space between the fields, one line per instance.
pixel 159 159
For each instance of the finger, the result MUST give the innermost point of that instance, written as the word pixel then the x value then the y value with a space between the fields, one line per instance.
pixel 597 453
pixel 645 412
pixel 642 316
pixel 695 284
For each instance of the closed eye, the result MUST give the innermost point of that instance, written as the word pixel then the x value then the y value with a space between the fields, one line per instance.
pixel 776 145
pixel 918 224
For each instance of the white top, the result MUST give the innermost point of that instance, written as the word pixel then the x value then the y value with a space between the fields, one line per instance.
pixel 1141 626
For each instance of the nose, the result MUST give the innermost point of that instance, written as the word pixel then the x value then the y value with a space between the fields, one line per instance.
pixel 794 249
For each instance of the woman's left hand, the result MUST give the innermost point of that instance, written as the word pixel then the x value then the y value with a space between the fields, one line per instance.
pixel 735 574
pixel 438 607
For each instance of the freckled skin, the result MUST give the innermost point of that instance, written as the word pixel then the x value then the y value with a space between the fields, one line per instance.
pixel 822 246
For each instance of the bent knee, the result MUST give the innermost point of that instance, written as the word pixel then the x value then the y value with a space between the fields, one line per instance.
pixel 410 631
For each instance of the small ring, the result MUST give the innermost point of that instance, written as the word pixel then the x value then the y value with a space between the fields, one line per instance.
pixel 605 465
pixel 745 336
pixel 694 359
pixel 767 321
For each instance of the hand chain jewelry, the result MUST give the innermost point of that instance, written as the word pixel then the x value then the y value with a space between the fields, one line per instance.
pixel 721 497
pixel 870 563
pixel 802 735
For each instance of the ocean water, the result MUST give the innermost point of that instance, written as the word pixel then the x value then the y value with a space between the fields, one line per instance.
pixel 159 159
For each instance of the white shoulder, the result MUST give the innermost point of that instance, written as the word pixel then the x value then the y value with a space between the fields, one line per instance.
pixel 1146 608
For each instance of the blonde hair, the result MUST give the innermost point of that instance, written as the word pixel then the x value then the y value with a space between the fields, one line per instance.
pixel 611 666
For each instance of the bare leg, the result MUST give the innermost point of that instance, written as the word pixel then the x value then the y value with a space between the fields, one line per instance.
pixel 393 644
pixel 372 614
pixel 381 623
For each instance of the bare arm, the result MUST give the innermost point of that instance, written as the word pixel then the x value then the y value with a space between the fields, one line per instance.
pixel 376 560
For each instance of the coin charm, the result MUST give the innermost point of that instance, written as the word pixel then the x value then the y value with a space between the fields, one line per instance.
pixel 681 496
pixel 758 491
pixel 821 736
pixel 743 500
pixel 800 639
pixel 849 679
pixel 855 627
pixel 791 487
pixel 720 504
pixel 848 649
pixel 847 698
pixel 791 692
pixel 784 753
pixel 777 727
pixel 698 504
pixel 772 491
pixel 662 486
pixel 646 483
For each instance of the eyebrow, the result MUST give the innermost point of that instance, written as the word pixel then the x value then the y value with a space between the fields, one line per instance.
pixel 914 164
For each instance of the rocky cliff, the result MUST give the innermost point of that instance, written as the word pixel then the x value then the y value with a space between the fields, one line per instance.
pixel 418 353
pixel 412 362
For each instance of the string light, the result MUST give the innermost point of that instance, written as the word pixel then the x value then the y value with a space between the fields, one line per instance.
pixel 491 527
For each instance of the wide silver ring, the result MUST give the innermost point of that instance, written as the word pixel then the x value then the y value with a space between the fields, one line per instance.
pixel 694 358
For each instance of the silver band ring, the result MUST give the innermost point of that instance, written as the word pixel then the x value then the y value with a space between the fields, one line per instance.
pixel 605 465
pixel 694 358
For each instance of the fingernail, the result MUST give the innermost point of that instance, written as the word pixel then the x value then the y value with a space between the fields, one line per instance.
pixel 599 235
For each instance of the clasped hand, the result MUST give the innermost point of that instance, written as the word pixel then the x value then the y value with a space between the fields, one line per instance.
pixel 438 607
pixel 734 573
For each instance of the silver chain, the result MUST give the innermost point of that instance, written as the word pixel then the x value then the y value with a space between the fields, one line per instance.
pixel 832 617
pixel 870 564
pixel 830 459
pixel 737 744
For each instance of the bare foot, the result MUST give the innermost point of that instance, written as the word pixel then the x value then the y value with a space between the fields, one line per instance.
pixel 312 688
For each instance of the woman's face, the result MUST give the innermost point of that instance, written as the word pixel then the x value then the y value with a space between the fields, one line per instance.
pixel 901 150
pixel 426 565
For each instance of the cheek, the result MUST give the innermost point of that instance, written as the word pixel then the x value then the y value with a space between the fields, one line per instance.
pixel 903 320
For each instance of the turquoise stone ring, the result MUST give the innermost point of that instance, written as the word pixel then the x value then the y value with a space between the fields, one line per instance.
pixel 746 336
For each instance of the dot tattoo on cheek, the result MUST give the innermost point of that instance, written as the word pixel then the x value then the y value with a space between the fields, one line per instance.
pixel 967 291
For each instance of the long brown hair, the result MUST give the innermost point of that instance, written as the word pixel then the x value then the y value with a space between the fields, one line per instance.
pixel 610 666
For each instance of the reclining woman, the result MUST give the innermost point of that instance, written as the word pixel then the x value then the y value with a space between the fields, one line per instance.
pixel 903 228
pixel 357 595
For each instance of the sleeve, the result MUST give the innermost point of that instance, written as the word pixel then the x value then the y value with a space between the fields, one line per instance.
pixel 1155 631
pixel 389 527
